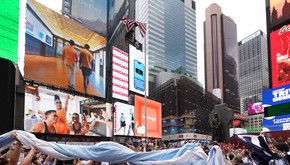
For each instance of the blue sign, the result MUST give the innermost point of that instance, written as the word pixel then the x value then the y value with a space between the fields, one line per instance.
pixel 276 96
pixel 276 123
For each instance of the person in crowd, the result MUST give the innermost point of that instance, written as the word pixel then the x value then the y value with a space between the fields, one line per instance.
pixel 85 64
pixel 31 158
pixel 46 126
pixel 237 161
pixel 61 125
pixel 282 149
pixel 77 128
pixel 71 56
pixel 247 158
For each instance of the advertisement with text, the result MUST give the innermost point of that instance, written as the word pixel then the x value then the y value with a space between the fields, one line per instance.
pixel 154 118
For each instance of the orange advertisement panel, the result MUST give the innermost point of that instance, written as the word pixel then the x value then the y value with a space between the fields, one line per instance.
pixel 153 118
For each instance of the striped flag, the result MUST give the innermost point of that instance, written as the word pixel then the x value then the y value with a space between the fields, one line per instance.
pixel 131 24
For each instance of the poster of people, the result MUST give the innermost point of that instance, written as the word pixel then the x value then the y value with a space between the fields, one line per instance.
pixel 123 119
pixel 55 112
pixel 62 52
pixel 280 56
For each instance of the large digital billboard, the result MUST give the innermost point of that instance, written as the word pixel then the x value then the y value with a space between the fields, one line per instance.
pixel 55 112
pixel 120 74
pixel 276 123
pixel 123 119
pixel 137 71
pixel 255 108
pixel 276 96
pixel 9 21
pixel 154 110
pixel 280 56
pixel 63 53
pixel 279 12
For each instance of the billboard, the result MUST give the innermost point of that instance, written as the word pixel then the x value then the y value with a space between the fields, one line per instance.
pixel 255 108
pixel 280 52
pixel 279 12
pixel 123 119
pixel 137 71
pixel 154 118
pixel 55 112
pixel 63 53
pixel 276 123
pixel 9 21
pixel 276 96
pixel 120 74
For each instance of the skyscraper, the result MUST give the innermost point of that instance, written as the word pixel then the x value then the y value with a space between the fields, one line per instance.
pixel 171 35
pixel 221 56
pixel 253 66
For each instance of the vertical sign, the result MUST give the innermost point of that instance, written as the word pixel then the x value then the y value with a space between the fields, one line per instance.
pixel 120 77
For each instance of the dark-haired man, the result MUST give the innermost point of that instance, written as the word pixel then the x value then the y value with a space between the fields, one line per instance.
pixel 77 128
pixel 71 57
pixel 46 126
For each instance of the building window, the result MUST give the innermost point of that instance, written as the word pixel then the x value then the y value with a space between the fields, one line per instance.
pixel 214 51
pixel 193 5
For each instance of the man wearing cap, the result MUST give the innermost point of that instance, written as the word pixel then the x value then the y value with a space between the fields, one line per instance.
pixel 86 58
pixel 46 126
pixel 61 125
pixel 71 57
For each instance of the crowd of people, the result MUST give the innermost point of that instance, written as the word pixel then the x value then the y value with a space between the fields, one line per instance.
pixel 231 153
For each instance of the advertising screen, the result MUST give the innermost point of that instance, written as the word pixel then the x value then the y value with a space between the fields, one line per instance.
pixel 279 12
pixel 280 56
pixel 55 112
pixel 153 118
pixel 9 21
pixel 137 71
pixel 276 123
pixel 255 108
pixel 120 75
pixel 63 53
pixel 123 119
pixel 276 96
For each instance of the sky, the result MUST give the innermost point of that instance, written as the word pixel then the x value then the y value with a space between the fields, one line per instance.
pixel 249 15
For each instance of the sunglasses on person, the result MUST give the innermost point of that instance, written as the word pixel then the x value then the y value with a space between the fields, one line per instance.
pixel 58 102
pixel 75 117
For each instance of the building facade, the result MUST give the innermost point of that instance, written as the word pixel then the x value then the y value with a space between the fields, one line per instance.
pixel 170 37
pixel 221 56
pixel 185 106
pixel 253 66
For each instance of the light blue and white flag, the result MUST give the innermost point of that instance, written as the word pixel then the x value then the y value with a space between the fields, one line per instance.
pixel 189 154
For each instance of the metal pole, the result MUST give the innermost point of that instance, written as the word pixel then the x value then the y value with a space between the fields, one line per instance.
pixel 145 87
